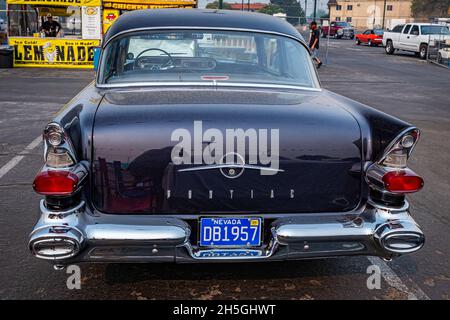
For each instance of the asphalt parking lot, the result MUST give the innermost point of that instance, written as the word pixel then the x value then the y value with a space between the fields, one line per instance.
pixel 401 85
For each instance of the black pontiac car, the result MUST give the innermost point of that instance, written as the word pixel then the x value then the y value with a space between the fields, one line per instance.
pixel 207 137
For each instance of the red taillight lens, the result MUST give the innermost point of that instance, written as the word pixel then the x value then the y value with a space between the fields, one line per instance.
pixel 55 183
pixel 403 181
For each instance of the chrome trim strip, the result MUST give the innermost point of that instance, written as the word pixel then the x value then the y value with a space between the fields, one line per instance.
pixel 125 232
pixel 294 233
pixel 299 40
pixel 214 84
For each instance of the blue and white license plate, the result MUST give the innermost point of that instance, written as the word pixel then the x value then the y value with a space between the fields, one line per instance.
pixel 230 232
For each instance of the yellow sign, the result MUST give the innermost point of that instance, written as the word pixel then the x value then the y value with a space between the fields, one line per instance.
pixel 128 6
pixel 109 16
pixel 86 3
pixel 56 53
pixel 155 2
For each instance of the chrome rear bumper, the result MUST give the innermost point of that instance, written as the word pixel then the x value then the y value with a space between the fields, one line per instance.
pixel 76 235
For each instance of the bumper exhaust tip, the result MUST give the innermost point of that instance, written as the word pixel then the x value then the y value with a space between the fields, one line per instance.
pixel 400 237
pixel 53 243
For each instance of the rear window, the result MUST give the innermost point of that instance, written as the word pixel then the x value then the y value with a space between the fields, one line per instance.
pixel 378 32
pixel 443 30
pixel 220 57
pixel 343 24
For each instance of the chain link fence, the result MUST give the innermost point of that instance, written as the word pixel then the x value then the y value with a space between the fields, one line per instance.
pixel 439 46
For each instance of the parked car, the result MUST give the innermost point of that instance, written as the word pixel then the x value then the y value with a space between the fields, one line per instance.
pixel 414 37
pixel 2 25
pixel 444 56
pixel 232 154
pixel 339 29
pixel 373 37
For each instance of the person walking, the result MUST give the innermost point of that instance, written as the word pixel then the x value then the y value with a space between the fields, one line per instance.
pixel 314 43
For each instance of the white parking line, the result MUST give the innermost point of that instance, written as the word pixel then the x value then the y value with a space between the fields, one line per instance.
pixel 15 161
pixel 394 281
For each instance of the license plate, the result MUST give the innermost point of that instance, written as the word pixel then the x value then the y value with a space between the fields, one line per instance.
pixel 230 232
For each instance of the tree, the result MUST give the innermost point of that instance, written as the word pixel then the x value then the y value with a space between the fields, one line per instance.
pixel 215 5
pixel 429 8
pixel 322 14
pixel 271 9
pixel 292 9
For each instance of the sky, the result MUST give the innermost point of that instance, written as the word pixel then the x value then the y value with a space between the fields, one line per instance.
pixel 321 4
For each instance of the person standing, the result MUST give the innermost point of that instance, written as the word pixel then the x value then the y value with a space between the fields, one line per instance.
pixel 314 43
pixel 51 27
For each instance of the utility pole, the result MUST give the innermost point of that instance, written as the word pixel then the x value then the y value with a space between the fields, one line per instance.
pixel 384 14
pixel 315 10
pixel 220 4
pixel 306 10
pixel 248 5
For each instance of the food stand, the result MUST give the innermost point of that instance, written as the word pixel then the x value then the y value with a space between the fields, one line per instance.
pixel 83 22
pixel 73 46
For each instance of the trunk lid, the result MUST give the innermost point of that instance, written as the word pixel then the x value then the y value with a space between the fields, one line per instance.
pixel 133 158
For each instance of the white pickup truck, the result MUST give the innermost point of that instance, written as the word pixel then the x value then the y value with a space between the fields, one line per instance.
pixel 414 37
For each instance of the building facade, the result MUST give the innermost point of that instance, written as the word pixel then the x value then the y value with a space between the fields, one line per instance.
pixel 371 13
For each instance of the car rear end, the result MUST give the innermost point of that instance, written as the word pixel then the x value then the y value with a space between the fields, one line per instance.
pixel 232 167
pixel 378 37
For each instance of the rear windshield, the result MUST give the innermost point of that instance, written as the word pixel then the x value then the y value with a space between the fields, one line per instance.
pixel 435 30
pixel 206 56
pixel 378 32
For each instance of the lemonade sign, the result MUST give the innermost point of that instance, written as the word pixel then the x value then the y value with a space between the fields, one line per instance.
pixel 63 53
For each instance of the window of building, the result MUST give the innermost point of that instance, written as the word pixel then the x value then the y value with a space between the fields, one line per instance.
pixel 389 7
pixel 349 19
pixel 338 7
pixel 350 7
pixel 338 18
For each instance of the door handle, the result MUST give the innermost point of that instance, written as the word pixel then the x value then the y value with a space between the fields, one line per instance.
pixel 407 37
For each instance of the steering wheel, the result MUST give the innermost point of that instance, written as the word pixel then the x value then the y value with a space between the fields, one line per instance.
pixel 155 66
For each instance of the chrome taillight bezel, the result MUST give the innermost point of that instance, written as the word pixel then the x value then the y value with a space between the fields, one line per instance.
pixel 397 148
pixel 63 147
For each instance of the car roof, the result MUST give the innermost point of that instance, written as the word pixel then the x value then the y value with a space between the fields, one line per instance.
pixel 425 24
pixel 199 18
